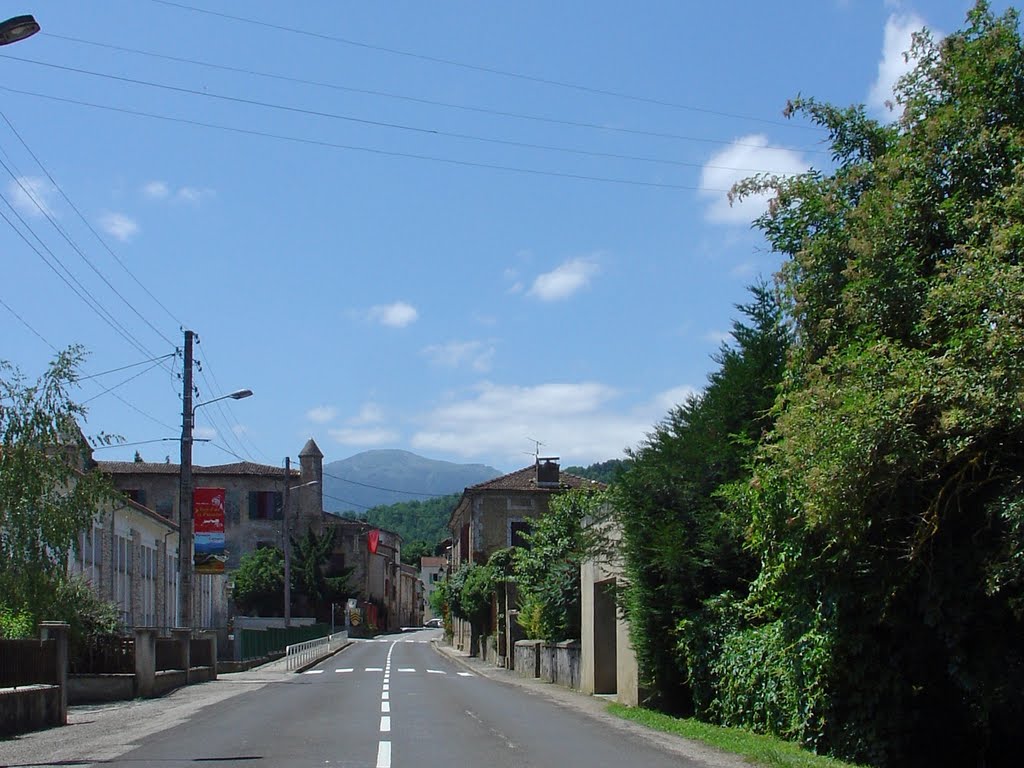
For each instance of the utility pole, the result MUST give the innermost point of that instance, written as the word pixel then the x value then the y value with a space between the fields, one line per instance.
pixel 287 545
pixel 185 492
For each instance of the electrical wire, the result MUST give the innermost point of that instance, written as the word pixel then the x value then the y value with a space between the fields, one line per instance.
pixel 121 384
pixel 370 150
pixel 480 68
pixel 420 100
pixel 391 490
pixel 126 367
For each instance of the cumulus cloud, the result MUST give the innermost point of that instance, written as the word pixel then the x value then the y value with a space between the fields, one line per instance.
pixel 565 280
pixel 32 195
pixel 370 413
pixel 161 190
pixel 397 315
pixel 366 438
pixel 455 354
pixel 893 64
pixel 583 422
pixel 743 158
pixel 119 226
pixel 322 414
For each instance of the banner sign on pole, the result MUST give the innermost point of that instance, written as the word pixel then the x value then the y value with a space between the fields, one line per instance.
pixel 208 521
pixel 373 540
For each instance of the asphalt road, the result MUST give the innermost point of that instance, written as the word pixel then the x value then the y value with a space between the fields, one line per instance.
pixel 389 702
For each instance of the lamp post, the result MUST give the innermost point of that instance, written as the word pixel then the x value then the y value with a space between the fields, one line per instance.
pixel 17 28
pixel 188 418
pixel 287 541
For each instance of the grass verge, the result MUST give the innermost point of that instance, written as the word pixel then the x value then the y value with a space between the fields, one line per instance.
pixel 758 749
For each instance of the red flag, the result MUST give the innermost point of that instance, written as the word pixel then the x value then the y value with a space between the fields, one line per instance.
pixel 372 540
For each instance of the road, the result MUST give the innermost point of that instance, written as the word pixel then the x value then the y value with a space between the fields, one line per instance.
pixel 389 702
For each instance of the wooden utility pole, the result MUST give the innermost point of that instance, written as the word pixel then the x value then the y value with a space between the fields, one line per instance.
pixel 185 493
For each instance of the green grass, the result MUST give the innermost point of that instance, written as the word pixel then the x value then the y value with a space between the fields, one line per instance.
pixel 758 749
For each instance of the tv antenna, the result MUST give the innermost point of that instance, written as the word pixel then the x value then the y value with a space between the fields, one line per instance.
pixel 536 448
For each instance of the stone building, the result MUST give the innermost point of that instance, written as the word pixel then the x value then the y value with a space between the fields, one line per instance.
pixel 375 557
pixel 432 572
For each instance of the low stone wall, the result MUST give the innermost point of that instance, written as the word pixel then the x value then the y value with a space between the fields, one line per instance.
pixel 527 658
pixel 29 708
pixel 89 689
pixel 558 663
pixel 168 680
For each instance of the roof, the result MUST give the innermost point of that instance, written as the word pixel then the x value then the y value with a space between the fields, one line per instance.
pixel 311 449
pixel 433 562
pixel 156 468
pixel 525 481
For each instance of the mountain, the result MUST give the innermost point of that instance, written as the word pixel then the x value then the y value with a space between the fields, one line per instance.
pixel 374 478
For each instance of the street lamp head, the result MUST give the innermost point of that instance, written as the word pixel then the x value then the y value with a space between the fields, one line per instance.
pixel 241 394
pixel 17 28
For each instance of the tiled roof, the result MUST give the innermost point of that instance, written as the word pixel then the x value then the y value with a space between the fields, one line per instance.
pixel 155 468
pixel 525 479
pixel 432 562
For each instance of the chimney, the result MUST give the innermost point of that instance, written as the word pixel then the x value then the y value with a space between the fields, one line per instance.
pixel 547 472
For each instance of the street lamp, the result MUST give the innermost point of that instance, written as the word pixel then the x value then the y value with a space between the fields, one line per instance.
pixel 288 545
pixel 18 28
pixel 185 539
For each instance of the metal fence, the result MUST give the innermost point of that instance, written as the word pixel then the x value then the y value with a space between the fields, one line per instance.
pixel 28 662
pixel 257 643
pixel 300 654
pixel 106 655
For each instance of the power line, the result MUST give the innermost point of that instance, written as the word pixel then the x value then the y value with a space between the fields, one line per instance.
pixel 370 150
pixel 345 501
pixel 85 221
pixel 391 490
pixel 126 367
pixel 25 323
pixel 122 383
pixel 480 68
pixel 417 99
pixel 365 121
pixel 240 432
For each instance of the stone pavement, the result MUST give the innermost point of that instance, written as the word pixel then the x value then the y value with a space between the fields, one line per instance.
pixel 595 707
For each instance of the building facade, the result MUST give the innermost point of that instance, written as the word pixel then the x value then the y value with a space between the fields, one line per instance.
pixel 432 573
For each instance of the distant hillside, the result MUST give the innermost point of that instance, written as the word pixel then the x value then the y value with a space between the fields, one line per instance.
pixel 385 477
pixel 603 472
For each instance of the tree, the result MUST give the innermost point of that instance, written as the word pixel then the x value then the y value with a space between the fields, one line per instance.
pixel 259 582
pixel 47 496
pixel 886 510
pixel 312 576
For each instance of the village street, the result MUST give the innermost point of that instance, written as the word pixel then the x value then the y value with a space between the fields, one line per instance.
pixel 392 701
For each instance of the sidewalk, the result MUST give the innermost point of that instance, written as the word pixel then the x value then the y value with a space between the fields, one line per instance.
pixel 595 707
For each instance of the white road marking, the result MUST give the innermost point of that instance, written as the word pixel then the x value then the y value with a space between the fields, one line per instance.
pixel 385 724
pixel 374 669
pixel 384 754
pixel 466 674
pixel 385 696
pixel 406 669
pixel 313 672
pixel 385 687
pixel 385 707
pixel 436 672
pixel 349 669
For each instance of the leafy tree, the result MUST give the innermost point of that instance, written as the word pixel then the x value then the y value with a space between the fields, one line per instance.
pixel 886 510
pixel 547 571
pixel 414 550
pixel 416 520
pixel 47 494
pixel 604 471
pixel 312 576
pixel 259 582
pixel 682 545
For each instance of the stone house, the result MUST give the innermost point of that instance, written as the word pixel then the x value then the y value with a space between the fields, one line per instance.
pixel 494 515
pixel 375 575
pixel 410 596
pixel 254 511
pixel 432 572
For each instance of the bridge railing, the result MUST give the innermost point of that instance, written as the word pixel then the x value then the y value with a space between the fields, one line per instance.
pixel 301 654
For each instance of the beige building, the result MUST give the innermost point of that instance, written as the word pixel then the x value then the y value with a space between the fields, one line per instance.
pixel 495 514
pixel 375 576
pixel 432 573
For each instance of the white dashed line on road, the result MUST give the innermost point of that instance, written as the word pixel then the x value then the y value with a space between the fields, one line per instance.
pixel 348 669
pixel 385 707
pixel 466 674
pixel 384 755
pixel 436 672
pixel 313 672
pixel 406 669
pixel 385 724
pixel 374 669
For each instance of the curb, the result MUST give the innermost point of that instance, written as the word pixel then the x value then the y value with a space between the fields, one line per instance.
pixel 313 663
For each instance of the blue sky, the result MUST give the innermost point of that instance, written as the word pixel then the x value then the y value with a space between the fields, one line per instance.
pixel 368 243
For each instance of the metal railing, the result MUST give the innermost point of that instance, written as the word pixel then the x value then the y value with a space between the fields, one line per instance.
pixel 300 654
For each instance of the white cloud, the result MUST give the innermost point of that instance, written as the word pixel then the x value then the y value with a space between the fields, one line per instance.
pixel 156 190
pixel 32 195
pixel 454 354
pixel 322 414
pixel 364 437
pixel 370 413
pixel 192 195
pixel 565 280
pixel 577 421
pixel 397 315
pixel 899 29
pixel 670 398
pixel 119 226
pixel 205 433
pixel 743 158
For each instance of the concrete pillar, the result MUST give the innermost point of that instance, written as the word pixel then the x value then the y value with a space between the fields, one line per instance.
pixel 58 631
pixel 145 661
pixel 183 636
pixel 210 636
pixel 160 585
pixel 135 578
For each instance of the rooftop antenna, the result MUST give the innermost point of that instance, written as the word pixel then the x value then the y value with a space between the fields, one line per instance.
pixel 536 448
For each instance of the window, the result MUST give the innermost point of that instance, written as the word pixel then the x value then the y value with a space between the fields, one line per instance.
pixel 137 495
pixel 433 577
pixel 265 505
pixel 516 530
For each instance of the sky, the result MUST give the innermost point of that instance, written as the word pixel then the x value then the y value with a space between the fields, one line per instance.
pixel 459 229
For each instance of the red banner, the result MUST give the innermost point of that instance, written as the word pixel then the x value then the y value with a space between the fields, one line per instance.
pixel 373 540
pixel 208 527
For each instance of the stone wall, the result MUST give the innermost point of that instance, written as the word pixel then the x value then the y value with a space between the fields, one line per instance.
pixel 29 708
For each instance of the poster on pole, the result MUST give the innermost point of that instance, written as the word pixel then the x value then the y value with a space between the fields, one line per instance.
pixel 208 522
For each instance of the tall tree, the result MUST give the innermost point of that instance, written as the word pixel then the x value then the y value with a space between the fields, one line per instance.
pixel 47 494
